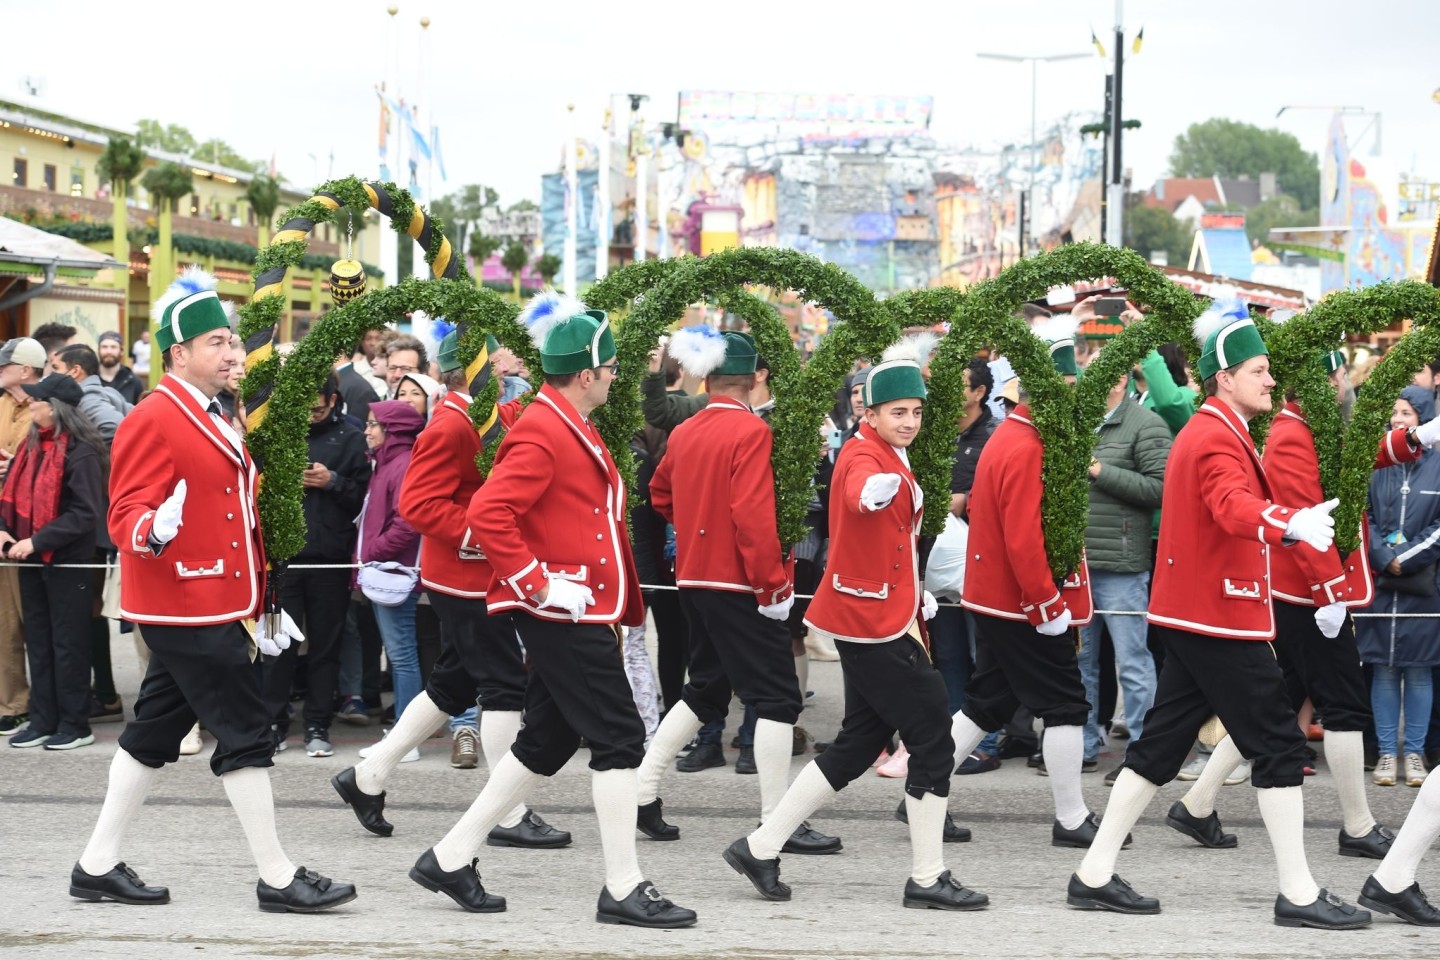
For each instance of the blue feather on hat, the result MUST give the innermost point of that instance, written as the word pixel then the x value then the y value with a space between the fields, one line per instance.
pixel 547 309
pixel 440 328
pixel 699 349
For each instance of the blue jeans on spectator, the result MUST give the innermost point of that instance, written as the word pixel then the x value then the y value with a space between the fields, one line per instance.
pixel 397 630
pixel 1385 697
pixel 1118 591
pixel 470 718
pixel 950 642
pixel 714 731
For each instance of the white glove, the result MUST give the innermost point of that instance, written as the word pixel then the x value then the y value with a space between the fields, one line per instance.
pixel 569 596
pixel 1330 618
pixel 1428 433
pixel 1056 627
pixel 1314 525
pixel 272 645
pixel 778 611
pixel 929 606
pixel 167 517
pixel 879 490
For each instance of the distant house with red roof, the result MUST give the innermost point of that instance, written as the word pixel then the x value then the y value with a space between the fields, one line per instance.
pixel 1188 198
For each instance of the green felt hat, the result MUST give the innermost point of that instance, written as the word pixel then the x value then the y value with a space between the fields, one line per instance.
pixel 579 342
pixel 1062 357
pixel 445 352
pixel 893 380
pixel 1334 360
pixel 1229 337
pixel 188 308
pixel 741 356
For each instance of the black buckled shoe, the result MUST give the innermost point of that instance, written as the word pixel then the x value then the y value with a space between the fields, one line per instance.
pixel 807 841
pixel 530 832
pixel 946 893
pixel 764 875
pixel 309 892
pixel 120 884
pixel 703 757
pixel 463 885
pixel 1409 904
pixel 1374 844
pixel 953 832
pixel 1205 831
pixel 1116 896
pixel 1328 912
pixel 642 907
pixel 370 811
pixel 650 820
pixel 1082 836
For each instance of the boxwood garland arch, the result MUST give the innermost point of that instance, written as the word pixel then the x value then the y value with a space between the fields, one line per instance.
pixel 1066 418
pixel 1297 347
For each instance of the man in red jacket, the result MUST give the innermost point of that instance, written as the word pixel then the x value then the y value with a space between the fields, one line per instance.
pixel 716 486
pixel 870 602
pixel 480 655
pixel 1211 603
pixel 551 520
pixel 1314 635
pixel 1024 617
pixel 182 514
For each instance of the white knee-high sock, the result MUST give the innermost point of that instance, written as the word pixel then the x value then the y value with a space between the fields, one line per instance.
pixel 1064 749
pixel 498 730
pixel 614 795
pixel 1200 798
pixel 1397 871
pixel 412 728
pixel 1345 752
pixel 772 762
pixel 1128 799
pixel 802 674
pixel 676 730
pixel 1283 810
pixel 249 791
pixel 809 791
pixel 927 837
pixel 967 736
pixel 130 782
pixel 509 781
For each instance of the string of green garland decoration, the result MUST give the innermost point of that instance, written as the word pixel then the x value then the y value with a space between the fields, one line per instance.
pixel 498 317
pixel 862 330
pixel 1066 419
pixel 1347 455
pixel 278 397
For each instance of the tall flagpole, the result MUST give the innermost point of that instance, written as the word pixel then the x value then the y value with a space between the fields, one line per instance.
pixel 602 201
pixel 419 118
pixel 389 242
pixel 642 193
pixel 572 201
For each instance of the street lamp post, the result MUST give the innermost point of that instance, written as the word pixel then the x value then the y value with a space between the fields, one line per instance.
pixel 1034 62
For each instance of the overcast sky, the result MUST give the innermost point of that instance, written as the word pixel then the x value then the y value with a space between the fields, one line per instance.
pixel 501 74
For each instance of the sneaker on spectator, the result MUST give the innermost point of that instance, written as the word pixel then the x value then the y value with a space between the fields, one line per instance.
pixel 352 711
pixel 1113 775
pixel 191 744
pixel 1384 775
pixel 463 755
pixel 1193 769
pixel 978 762
pixel 12 724
pixel 1239 775
pixel 798 741
pixel 317 742
pixel 280 734
pixel 30 737
pixel 898 766
pixel 106 712
pixel 1414 770
pixel 1118 729
pixel 695 742
pixel 69 741
pixel 1086 766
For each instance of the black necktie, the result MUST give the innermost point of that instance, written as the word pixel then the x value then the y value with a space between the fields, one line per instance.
pixel 214 409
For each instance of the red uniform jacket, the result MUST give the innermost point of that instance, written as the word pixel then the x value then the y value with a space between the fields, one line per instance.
pixel 1218 524
pixel 213 571
pixel 716 486
pixel 1007 573
pixel 1306 577
pixel 439 484
pixel 870 589
pixel 554 506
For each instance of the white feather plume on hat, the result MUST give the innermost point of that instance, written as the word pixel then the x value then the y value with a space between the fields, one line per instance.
pixel 193 280
pixel 1052 329
pixel 699 349
pixel 1219 315
pixel 916 347
pixel 546 309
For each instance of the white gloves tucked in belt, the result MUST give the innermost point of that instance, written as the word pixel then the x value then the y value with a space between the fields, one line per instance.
pixel 1330 618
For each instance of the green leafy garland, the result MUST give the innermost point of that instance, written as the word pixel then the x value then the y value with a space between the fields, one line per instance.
pixel 499 318
pixel 282 394
pixel 1347 455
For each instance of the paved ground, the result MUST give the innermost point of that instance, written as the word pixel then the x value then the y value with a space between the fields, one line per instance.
pixel 1216 903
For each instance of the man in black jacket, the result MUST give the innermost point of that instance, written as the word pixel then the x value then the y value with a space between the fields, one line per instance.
pixel 335 483
pixel 115 374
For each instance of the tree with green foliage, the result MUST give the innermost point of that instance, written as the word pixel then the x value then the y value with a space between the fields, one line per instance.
pixel 167 183
pixel 548 266
pixel 461 209
pixel 172 137
pixel 521 206
pixel 1230 149
pixel 481 247
pixel 1279 211
pixel 514 260
pixel 119 165
pixel 1151 229
pixel 263 195
pixel 219 152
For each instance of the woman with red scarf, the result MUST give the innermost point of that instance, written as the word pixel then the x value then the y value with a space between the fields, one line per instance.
pixel 52 508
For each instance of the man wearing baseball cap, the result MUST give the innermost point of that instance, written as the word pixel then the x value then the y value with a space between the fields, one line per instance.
pixel 22 361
